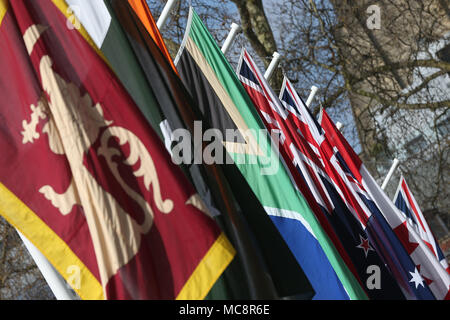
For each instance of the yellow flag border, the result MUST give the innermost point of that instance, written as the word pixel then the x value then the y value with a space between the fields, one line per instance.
pixel 59 254
pixel 19 215
pixel 210 268
pixel 3 9
pixel 221 253
pixel 64 8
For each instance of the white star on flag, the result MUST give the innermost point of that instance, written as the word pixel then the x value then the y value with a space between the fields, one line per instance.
pixel 416 278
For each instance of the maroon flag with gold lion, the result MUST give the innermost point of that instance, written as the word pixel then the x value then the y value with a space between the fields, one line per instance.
pixel 83 175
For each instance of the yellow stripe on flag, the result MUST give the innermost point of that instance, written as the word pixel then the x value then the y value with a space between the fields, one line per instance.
pixel 49 244
pixel 64 8
pixel 3 9
pixel 69 14
pixel 209 270
pixel 38 232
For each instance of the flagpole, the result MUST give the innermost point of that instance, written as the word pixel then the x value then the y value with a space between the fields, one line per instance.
pixel 390 173
pixel 54 280
pixel 314 90
pixel 165 13
pixel 235 29
pixel 272 66
pixel 311 97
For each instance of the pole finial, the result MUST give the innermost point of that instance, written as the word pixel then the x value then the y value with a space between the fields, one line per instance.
pixel 235 30
pixel 273 65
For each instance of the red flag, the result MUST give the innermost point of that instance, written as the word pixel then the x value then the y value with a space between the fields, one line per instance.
pixel 84 176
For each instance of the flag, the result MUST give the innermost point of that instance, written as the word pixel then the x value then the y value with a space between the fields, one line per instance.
pixel 107 35
pixel 143 12
pixel 404 200
pixel 102 196
pixel 305 164
pixel 224 102
pixel 247 277
pixel 413 264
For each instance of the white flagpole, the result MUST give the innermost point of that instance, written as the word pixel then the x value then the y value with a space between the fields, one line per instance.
pixel 165 13
pixel 54 280
pixel 390 173
pixel 272 66
pixel 235 29
pixel 314 90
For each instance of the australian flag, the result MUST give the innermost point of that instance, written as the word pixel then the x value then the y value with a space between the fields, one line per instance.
pixel 411 262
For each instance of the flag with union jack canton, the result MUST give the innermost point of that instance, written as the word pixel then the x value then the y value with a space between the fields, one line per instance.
pixel 404 200
pixel 418 268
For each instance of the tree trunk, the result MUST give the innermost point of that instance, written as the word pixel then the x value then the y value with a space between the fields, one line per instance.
pixel 257 29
